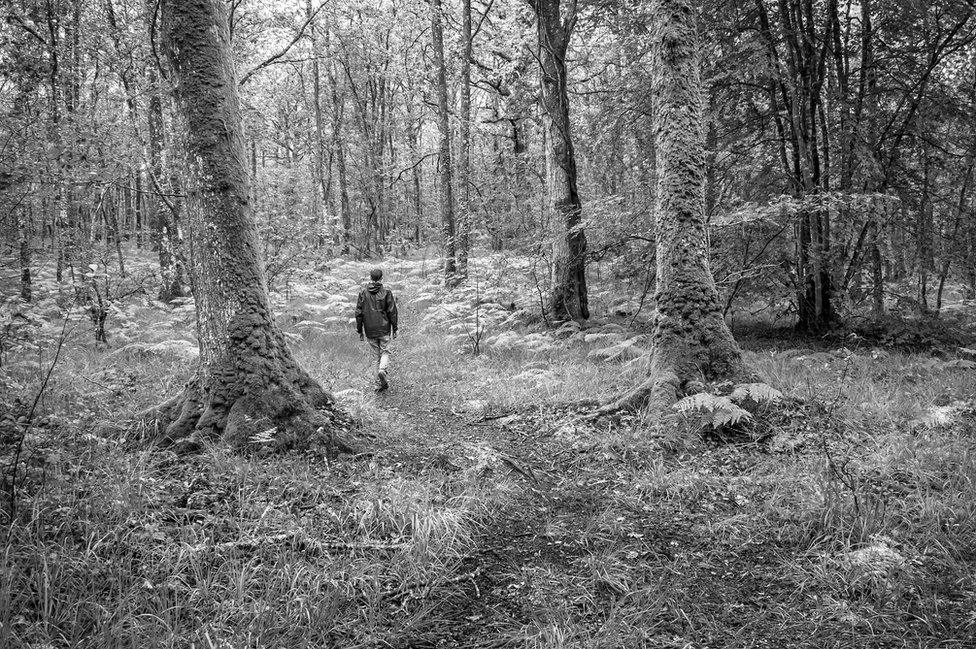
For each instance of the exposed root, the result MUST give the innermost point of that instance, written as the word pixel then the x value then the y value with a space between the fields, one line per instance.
pixel 279 414
pixel 658 393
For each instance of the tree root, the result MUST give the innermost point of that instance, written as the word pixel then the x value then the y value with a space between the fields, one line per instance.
pixel 658 393
pixel 282 415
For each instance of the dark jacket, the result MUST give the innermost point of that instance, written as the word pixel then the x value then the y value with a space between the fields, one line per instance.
pixel 376 311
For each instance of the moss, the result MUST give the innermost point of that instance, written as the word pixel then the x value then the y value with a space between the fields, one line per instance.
pixel 248 380
pixel 691 340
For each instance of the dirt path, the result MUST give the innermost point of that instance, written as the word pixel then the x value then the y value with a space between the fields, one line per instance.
pixel 572 554
pixel 487 600
pixel 554 519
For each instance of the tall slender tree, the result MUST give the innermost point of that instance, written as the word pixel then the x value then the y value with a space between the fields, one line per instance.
pixel 691 340
pixel 446 195
pixel 555 20
pixel 159 211
pixel 248 381
pixel 323 180
pixel 464 148
pixel 338 97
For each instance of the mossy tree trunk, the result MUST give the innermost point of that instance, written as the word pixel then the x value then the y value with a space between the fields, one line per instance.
pixel 248 381
pixel 568 298
pixel 691 341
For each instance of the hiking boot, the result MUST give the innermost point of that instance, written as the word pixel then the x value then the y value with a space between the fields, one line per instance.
pixel 381 382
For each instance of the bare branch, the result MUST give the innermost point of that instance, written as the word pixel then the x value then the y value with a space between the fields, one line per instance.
pixel 274 57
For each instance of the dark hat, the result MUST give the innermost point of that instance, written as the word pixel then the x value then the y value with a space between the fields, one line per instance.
pixel 376 274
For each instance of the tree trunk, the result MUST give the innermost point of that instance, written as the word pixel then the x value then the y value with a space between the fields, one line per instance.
pixel 924 232
pixel 323 181
pixel 877 276
pixel 171 281
pixel 796 96
pixel 446 194
pixel 691 339
pixel 464 153
pixel 344 208
pixel 339 147
pixel 970 290
pixel 953 246
pixel 248 381
pixel 413 135
pixel 24 257
pixel 568 297
pixel 113 233
pixel 137 202
pixel 128 208
pixel 72 93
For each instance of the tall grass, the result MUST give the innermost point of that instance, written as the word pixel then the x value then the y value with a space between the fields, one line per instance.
pixel 850 521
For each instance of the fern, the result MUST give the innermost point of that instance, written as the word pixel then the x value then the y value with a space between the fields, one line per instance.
pixel 718 411
pixel 700 401
pixel 729 416
pixel 757 392
pixel 715 411
pixel 264 436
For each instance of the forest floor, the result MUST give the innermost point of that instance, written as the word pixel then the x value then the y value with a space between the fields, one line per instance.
pixel 480 514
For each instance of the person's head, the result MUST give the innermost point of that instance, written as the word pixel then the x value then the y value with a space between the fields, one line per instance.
pixel 376 274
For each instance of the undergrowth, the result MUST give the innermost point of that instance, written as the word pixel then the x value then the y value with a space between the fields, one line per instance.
pixel 837 512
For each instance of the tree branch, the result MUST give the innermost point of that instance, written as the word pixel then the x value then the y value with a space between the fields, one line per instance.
pixel 274 57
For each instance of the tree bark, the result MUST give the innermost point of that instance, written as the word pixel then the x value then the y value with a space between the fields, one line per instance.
pixel 75 251
pixel 446 194
pixel 414 129
pixel 568 297
pixel 339 148
pixel 24 256
pixel 464 152
pixel 114 232
pixel 691 340
pixel 926 258
pixel 344 209
pixel 323 181
pixel 877 275
pixel 248 382
pixel 953 238
pixel 163 230
pixel 137 202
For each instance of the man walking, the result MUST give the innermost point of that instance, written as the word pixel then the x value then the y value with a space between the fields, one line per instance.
pixel 376 321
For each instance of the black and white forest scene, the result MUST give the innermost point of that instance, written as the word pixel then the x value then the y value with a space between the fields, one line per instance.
pixel 487 324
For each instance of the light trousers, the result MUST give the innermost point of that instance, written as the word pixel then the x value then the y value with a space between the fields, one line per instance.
pixel 381 352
